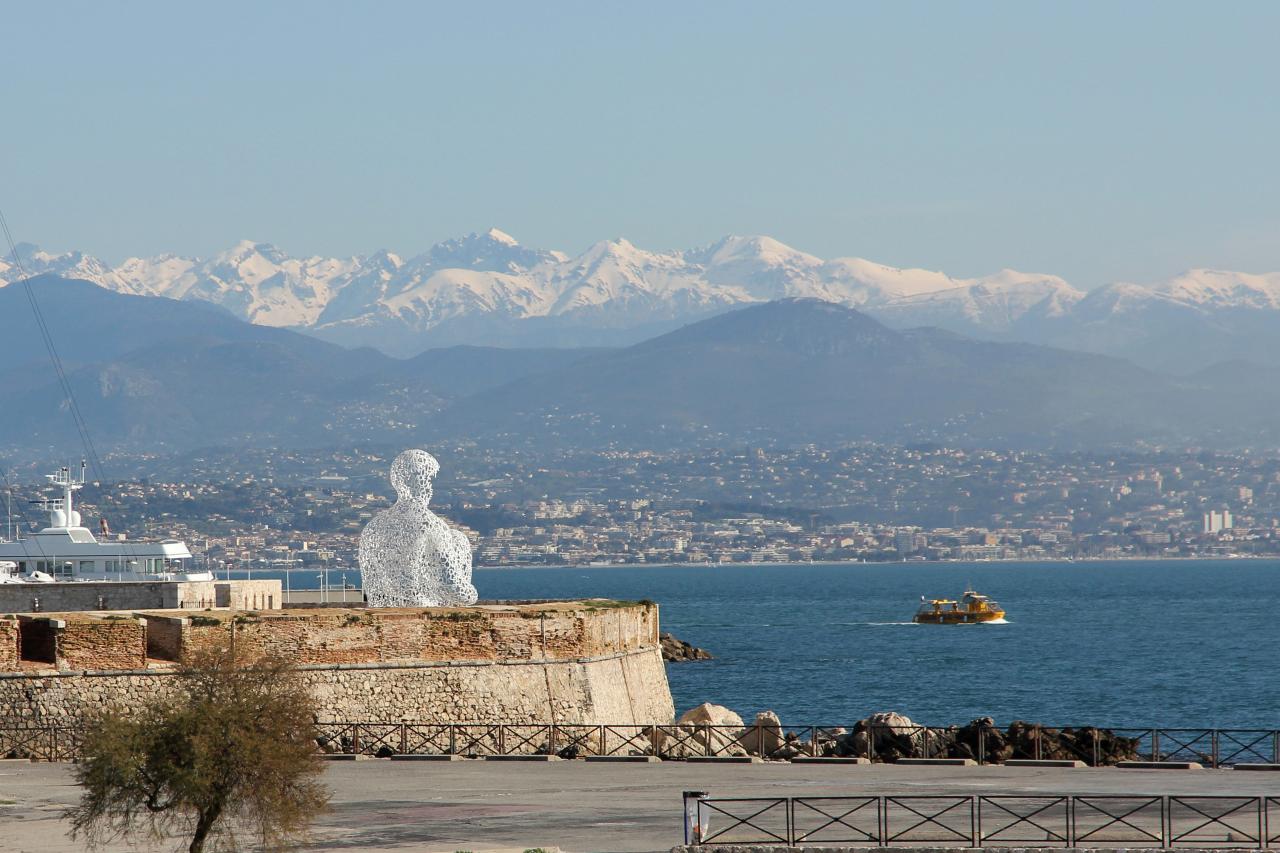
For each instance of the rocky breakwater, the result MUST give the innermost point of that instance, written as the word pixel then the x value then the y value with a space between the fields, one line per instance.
pixel 885 737
pixel 888 737
pixel 675 650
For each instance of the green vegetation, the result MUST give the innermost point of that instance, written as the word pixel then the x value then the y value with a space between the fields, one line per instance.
pixel 461 616
pixel 611 604
pixel 205 621
pixel 230 752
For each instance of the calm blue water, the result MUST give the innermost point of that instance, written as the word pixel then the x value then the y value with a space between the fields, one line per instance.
pixel 1170 644
pixel 1115 644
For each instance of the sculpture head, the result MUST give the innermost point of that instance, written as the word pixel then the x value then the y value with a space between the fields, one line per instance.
pixel 412 473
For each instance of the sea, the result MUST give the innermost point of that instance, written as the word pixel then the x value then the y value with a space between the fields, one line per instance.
pixel 1125 644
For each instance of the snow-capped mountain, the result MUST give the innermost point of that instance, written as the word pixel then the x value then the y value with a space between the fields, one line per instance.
pixel 487 288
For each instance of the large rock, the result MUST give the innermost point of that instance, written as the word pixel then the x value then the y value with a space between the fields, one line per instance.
pixel 764 737
pixel 887 736
pixel 705 730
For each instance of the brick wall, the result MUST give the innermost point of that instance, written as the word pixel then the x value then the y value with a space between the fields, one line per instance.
pixel 8 644
pixel 113 642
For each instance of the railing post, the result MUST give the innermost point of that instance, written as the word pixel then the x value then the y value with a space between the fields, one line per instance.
pixel 975 822
pixel 1039 736
pixel 1166 818
pixel 1155 745
pixel 882 822
pixel 706 740
pixel 1097 749
pixel 602 746
pixel 502 738
pixel 551 739
pixel 453 738
pixel 404 737
pixel 982 745
pixel 1071 820
pixel 355 738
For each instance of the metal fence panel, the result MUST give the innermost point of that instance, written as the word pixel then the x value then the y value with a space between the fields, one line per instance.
pixel 832 820
pixel 1024 819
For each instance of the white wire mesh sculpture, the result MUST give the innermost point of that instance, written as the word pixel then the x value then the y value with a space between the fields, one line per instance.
pixel 409 556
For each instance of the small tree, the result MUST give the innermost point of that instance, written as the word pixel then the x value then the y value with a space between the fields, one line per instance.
pixel 231 750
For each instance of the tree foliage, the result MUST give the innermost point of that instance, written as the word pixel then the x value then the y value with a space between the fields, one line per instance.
pixel 227 753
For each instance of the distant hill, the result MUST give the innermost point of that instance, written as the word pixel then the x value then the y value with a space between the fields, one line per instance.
pixel 810 370
pixel 463 370
pixel 165 374
pixel 157 374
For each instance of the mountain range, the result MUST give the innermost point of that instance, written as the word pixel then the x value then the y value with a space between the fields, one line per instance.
pixel 489 290
pixel 157 375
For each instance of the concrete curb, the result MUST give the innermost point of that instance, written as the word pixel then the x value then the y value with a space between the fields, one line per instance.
pixel 1159 765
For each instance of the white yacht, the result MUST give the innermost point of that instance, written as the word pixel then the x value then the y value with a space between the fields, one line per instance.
pixel 68 551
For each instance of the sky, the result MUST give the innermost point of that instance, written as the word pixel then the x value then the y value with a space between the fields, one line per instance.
pixel 1098 141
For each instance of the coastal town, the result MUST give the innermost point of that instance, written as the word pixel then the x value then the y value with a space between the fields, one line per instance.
pixel 753 505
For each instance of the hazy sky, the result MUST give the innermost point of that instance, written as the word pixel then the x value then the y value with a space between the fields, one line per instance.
pixel 1097 141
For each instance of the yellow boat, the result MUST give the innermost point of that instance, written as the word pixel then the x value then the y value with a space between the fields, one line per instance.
pixel 970 609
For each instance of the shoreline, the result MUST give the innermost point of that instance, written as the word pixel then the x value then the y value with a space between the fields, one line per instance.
pixel 1002 562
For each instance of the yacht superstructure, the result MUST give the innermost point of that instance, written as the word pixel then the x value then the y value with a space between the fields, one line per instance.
pixel 67 551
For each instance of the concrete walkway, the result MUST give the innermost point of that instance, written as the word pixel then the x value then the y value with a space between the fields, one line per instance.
pixel 478 806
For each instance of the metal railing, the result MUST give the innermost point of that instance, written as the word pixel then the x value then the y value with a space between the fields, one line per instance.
pixel 981 820
pixel 1094 747
pixel 674 741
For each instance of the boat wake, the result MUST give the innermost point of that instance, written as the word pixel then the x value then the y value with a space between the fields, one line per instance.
pixel 884 624
pixel 1000 621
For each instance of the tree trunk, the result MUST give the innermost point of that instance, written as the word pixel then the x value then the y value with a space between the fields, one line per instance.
pixel 203 826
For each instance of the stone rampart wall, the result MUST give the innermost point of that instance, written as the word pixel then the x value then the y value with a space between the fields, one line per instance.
pixel 558 631
pixel 622 688
pixel 562 662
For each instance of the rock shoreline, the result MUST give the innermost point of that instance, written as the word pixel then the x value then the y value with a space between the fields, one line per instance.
pixel 678 651
pixel 889 737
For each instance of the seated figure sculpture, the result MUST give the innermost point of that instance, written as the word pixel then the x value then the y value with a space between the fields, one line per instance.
pixel 409 556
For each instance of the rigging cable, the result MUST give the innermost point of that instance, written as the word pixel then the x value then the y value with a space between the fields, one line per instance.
pixel 68 393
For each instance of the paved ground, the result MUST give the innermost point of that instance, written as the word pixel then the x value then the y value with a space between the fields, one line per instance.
pixel 478 805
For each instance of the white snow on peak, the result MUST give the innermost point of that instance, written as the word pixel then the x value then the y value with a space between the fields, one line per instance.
pixel 501 237
pixel 615 284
